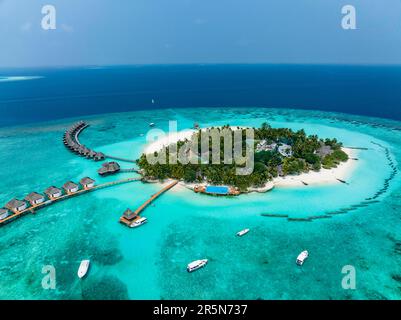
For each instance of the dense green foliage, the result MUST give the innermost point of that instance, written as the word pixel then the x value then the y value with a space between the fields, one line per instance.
pixel 306 155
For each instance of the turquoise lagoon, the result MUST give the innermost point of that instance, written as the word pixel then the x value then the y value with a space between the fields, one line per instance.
pixel 149 262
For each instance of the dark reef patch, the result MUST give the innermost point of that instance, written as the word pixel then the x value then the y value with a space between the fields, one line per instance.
pixel 396 277
pixel 106 288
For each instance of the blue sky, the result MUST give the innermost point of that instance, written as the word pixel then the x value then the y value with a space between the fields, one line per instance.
pixel 108 32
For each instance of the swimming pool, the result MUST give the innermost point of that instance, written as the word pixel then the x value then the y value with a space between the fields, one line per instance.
pixel 217 189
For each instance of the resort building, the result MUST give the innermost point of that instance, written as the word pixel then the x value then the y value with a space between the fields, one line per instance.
pixel 285 150
pixel 263 145
pixel 35 198
pixel 70 187
pixel 199 188
pixel 324 151
pixel 4 213
pixel 109 168
pixel 87 183
pixel 280 171
pixel 53 192
pixel 16 205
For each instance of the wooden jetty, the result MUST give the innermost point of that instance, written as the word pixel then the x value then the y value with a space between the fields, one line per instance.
pixel 127 220
pixel 33 208
pixel 120 159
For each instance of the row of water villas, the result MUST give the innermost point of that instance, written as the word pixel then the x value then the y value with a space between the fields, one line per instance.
pixel 71 141
pixel 34 199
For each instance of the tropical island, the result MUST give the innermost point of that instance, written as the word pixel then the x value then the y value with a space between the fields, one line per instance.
pixel 278 152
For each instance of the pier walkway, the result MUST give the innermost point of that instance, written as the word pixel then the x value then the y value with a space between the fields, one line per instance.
pixel 130 170
pixel 119 159
pixel 33 208
pixel 148 202
pixel 71 141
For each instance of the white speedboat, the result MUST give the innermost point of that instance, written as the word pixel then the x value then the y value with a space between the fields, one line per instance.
pixel 83 268
pixel 151 124
pixel 242 232
pixel 302 257
pixel 197 264
pixel 138 222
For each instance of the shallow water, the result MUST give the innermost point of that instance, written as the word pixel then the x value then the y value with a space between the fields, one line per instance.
pixel 149 262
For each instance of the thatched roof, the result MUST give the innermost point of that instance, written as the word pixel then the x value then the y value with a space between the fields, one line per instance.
pixel 129 214
pixel 86 180
pixel 109 167
pixel 14 204
pixel 52 190
pixel 70 185
pixel 34 196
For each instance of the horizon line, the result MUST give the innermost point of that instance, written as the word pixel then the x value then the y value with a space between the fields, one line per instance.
pixel 88 66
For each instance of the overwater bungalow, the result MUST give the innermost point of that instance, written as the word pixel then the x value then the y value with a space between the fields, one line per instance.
pixel 4 213
pixel 85 151
pixel 70 187
pixel 109 168
pixel 53 192
pixel 35 198
pixel 99 156
pixel 129 218
pixel 91 154
pixel 16 205
pixel 129 214
pixel 80 150
pixel 87 183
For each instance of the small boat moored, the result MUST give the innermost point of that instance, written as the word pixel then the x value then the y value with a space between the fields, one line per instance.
pixel 302 257
pixel 197 264
pixel 152 124
pixel 83 268
pixel 138 222
pixel 242 232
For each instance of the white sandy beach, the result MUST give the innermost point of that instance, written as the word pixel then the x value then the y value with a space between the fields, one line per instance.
pixel 167 140
pixel 324 176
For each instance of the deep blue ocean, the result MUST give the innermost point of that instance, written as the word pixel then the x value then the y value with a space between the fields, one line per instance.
pixel 72 92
